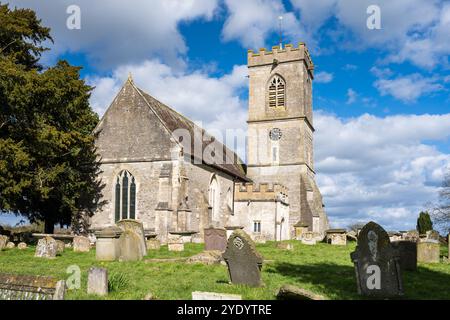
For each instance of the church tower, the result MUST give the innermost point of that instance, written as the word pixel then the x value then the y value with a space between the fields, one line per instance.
pixel 280 124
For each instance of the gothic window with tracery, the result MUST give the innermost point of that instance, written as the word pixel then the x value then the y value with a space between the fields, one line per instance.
pixel 125 196
pixel 277 88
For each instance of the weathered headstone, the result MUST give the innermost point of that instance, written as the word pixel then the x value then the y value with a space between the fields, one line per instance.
pixel 30 287
pixel 97 281
pixel 285 246
pixel 243 261
pixel 10 245
pixel 138 228
pixel 81 244
pixel 46 248
pixel 308 238
pixel 175 243
pixel 407 251
pixel 428 252
pixel 432 236
pixel 377 265
pixel 130 247
pixel 61 245
pixel 22 246
pixel 3 242
pixel 68 245
pixel 107 246
pixel 153 244
pixel 337 237
pixel 215 239
pixel 290 292
pixel 206 257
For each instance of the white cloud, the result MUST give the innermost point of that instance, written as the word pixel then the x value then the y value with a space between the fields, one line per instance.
pixel 323 77
pixel 408 88
pixel 119 32
pixel 351 96
pixel 380 168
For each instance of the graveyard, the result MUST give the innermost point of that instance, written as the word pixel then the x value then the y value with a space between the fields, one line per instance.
pixel 322 269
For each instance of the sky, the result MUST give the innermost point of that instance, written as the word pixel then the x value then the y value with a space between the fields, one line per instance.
pixel 381 96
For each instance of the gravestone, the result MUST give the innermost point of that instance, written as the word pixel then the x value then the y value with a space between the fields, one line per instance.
pixel 81 244
pixel 22 246
pixel 377 264
pixel 27 287
pixel 61 246
pixel 10 245
pixel 215 239
pixel 337 237
pixel 428 252
pixel 308 238
pixel 285 246
pixel 138 228
pixel 407 251
pixel 243 261
pixel 46 248
pixel 3 242
pixel 175 243
pixel 206 257
pixel 432 236
pixel 107 246
pixel 153 244
pixel 130 246
pixel 97 281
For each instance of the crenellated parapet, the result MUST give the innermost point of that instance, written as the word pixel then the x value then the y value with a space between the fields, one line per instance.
pixel 260 192
pixel 287 53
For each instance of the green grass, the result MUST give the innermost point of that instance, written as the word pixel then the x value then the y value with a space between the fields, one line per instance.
pixel 323 269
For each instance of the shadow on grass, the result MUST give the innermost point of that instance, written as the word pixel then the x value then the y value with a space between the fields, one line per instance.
pixel 339 281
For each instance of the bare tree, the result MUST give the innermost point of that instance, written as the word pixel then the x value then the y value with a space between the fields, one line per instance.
pixel 441 213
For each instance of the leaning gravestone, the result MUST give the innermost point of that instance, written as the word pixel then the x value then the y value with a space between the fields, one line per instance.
pixel 46 248
pixel 407 251
pixel 243 261
pixel 377 265
pixel 81 244
pixel 215 239
pixel 137 228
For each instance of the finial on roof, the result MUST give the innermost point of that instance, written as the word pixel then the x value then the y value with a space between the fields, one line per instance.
pixel 130 77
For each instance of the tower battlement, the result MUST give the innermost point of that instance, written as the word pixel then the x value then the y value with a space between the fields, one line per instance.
pixel 279 55
pixel 260 191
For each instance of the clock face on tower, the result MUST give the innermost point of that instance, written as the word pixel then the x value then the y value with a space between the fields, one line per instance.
pixel 275 134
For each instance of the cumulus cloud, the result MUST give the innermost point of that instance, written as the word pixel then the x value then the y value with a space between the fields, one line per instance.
pixel 380 169
pixel 408 88
pixel 323 77
pixel 119 32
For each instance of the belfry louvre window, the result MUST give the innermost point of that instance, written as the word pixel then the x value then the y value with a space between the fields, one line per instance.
pixel 125 196
pixel 277 92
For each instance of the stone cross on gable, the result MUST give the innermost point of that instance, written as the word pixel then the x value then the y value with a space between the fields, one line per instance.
pixel 376 263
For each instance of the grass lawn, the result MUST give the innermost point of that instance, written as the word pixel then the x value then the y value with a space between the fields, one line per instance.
pixel 323 269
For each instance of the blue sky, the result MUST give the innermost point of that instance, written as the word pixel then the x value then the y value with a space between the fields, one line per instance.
pixel 381 97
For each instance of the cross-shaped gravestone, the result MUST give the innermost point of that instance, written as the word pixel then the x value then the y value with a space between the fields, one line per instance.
pixel 376 263
pixel 243 261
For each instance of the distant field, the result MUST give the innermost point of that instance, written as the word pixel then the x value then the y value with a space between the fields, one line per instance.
pixel 323 269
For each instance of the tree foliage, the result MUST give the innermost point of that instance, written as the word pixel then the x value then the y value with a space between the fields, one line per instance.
pixel 424 223
pixel 48 163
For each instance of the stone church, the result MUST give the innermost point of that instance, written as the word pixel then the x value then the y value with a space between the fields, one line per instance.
pixel 162 169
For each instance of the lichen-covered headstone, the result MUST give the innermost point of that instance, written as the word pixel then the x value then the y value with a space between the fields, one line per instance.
pixel 243 261
pixel 153 244
pixel 138 228
pixel 10 245
pixel 428 252
pixel 377 264
pixel 81 244
pixel 407 251
pixel 215 239
pixel 130 246
pixel 61 246
pixel 46 248
pixel 175 243
pixel 22 246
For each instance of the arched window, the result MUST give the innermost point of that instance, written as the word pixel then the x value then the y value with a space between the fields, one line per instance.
pixel 230 199
pixel 125 196
pixel 277 88
pixel 214 199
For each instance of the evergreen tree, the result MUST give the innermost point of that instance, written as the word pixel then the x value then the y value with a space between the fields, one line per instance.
pixel 48 164
pixel 424 223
